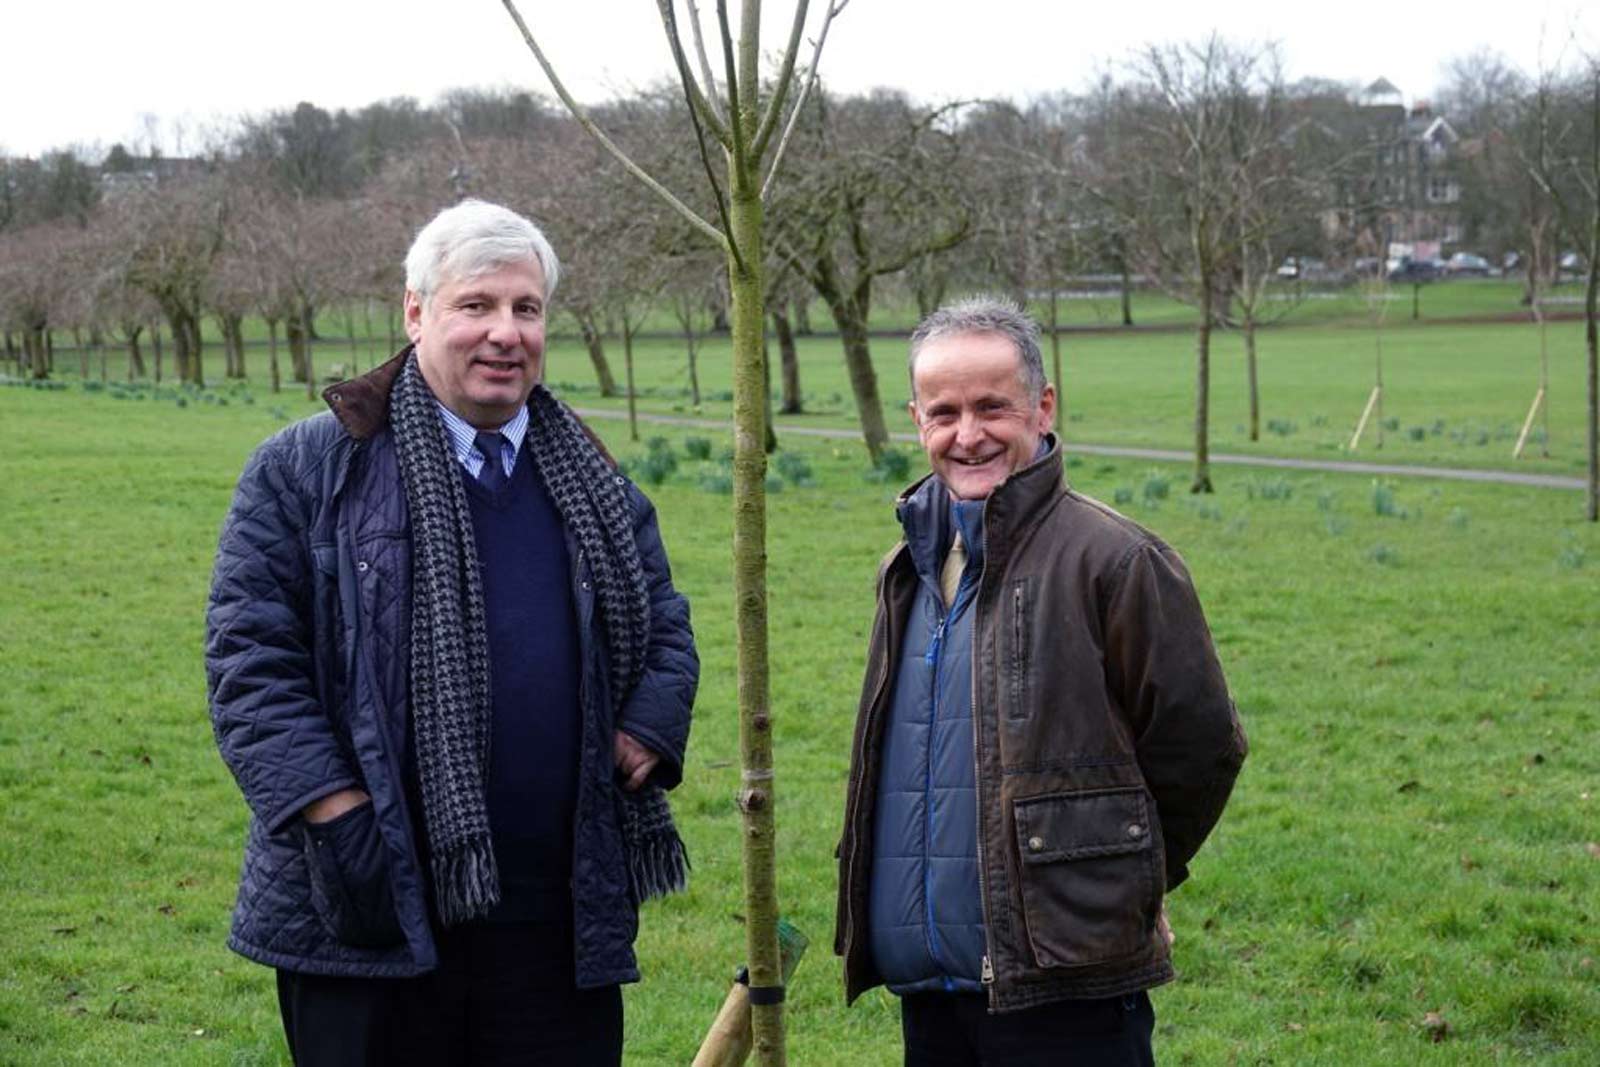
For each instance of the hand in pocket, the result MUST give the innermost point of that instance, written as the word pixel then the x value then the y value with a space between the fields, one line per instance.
pixel 350 879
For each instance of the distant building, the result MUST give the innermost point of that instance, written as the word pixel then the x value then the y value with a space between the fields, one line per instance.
pixel 1402 185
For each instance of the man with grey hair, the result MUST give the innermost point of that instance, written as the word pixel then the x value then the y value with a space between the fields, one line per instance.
pixel 1044 737
pixel 451 675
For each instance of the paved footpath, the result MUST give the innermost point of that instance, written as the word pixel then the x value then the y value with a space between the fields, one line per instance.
pixel 1460 474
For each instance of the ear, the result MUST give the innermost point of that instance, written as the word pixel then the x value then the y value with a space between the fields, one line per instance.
pixel 1047 408
pixel 916 416
pixel 413 316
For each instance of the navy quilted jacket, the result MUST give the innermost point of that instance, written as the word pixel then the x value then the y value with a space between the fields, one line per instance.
pixel 307 643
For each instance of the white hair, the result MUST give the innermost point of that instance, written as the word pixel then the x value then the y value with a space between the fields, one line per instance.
pixel 473 238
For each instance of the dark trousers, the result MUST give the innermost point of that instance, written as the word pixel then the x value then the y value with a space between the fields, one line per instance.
pixel 956 1030
pixel 502 995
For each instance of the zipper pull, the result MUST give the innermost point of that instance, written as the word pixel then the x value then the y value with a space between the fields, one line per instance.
pixel 986 975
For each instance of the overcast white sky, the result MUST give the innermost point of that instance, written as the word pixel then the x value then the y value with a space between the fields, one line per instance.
pixel 90 72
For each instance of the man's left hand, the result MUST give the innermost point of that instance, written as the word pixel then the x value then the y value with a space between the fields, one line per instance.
pixel 634 761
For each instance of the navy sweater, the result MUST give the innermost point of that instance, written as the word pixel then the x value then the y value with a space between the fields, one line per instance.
pixel 534 671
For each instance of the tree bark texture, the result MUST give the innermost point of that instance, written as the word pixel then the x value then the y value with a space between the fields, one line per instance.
pixel 756 797
pixel 136 366
pixel 789 356
pixel 272 356
pixel 1202 399
pixel 850 317
pixel 597 355
pixel 627 362
pixel 294 332
pixel 1250 376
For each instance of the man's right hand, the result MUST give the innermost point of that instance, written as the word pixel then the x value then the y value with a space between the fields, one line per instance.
pixel 330 807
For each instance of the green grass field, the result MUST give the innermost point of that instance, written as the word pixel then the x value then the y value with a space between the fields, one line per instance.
pixel 1415 832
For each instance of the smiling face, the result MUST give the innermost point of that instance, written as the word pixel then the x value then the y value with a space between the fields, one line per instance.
pixel 480 341
pixel 977 420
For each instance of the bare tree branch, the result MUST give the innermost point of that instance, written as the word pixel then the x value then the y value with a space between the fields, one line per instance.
pixel 740 145
pixel 707 109
pixel 705 60
pixel 582 115
pixel 769 120
pixel 799 103
pixel 669 22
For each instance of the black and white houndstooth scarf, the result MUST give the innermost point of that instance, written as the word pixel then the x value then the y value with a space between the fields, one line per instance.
pixel 450 698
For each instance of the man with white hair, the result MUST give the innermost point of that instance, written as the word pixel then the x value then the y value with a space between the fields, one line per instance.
pixel 1044 737
pixel 452 677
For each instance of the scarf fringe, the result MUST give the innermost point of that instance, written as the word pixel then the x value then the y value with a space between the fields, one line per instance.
pixel 466 881
pixel 658 865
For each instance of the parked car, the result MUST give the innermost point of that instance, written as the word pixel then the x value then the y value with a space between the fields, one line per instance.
pixel 1409 269
pixel 1573 263
pixel 1366 267
pixel 1306 269
pixel 1466 264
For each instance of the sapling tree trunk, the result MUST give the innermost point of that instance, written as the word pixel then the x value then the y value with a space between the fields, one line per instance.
pixel 627 361
pixel 746 130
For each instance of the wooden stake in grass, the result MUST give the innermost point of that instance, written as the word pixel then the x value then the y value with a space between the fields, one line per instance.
pixel 1372 401
pixel 745 131
pixel 729 1040
pixel 1527 424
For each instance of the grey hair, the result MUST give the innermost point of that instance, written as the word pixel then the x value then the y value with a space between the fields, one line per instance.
pixel 473 238
pixel 991 315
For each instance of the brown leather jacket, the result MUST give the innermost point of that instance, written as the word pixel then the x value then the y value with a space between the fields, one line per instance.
pixel 1105 740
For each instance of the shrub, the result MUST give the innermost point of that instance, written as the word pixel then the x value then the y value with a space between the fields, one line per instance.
pixel 1281 427
pixel 1458 518
pixel 717 481
pixel 896 463
pixel 1156 486
pixel 1122 496
pixel 697 447
pixel 1383 555
pixel 793 468
pixel 1276 488
pixel 1416 433
pixel 1384 503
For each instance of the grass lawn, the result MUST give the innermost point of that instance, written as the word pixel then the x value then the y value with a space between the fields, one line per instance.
pixel 1415 832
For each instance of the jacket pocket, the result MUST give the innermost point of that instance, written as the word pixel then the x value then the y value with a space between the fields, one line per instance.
pixel 350 889
pixel 1018 611
pixel 1087 874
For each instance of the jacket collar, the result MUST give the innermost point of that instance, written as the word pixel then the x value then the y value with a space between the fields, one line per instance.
pixel 362 404
pixel 924 512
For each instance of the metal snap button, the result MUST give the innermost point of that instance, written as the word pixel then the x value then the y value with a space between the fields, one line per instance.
pixel 1035 844
pixel 362 566
pixel 1135 830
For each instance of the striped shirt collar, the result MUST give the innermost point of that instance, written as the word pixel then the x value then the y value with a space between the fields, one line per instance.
pixel 463 436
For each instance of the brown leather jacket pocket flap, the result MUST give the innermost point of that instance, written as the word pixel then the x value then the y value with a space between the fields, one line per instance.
pixel 1074 826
